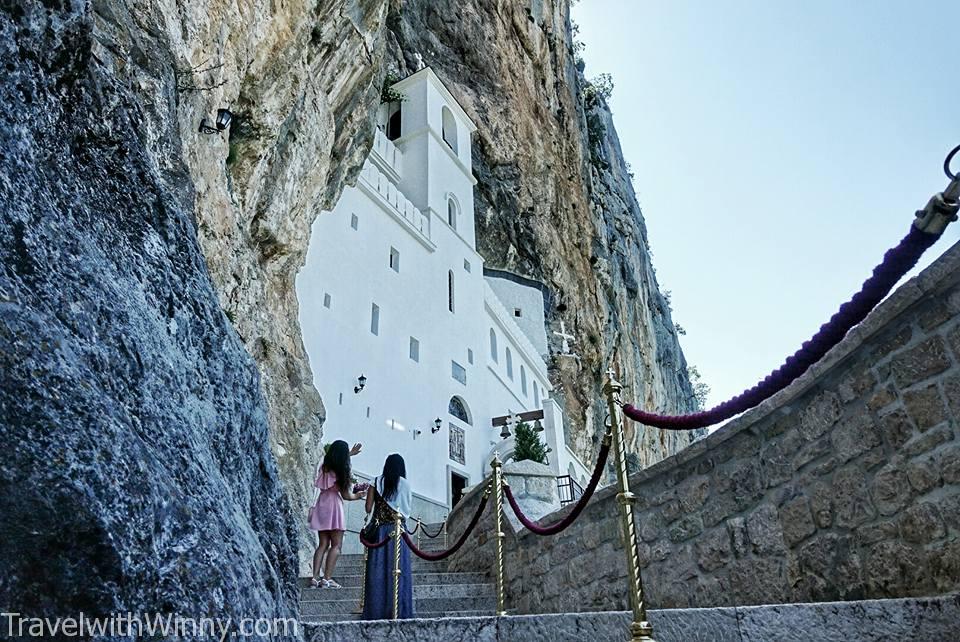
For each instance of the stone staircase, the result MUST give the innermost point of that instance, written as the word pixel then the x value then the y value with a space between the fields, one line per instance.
pixel 437 592
pixel 935 619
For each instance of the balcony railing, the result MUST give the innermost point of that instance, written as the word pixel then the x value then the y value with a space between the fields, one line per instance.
pixel 401 205
pixel 386 151
pixel 568 489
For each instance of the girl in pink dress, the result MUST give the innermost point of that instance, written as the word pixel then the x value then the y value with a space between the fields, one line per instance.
pixel 326 516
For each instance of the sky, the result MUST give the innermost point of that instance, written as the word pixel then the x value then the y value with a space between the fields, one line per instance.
pixel 779 149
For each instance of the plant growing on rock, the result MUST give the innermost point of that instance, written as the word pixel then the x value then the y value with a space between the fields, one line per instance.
pixel 595 94
pixel 597 91
pixel 701 390
pixel 387 93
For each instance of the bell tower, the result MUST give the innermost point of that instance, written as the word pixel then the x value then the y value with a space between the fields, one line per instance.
pixel 433 132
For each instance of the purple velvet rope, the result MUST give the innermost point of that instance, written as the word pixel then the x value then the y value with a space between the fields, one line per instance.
pixel 553 529
pixel 433 557
pixel 896 262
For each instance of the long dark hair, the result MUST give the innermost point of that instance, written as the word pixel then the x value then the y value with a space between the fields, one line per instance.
pixel 393 470
pixel 337 460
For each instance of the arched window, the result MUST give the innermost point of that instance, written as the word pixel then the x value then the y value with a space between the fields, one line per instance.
pixel 509 364
pixel 393 122
pixel 449 125
pixel 452 211
pixel 493 346
pixel 536 395
pixel 523 379
pixel 450 292
pixel 458 409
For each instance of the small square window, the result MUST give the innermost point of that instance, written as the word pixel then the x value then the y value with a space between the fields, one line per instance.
pixel 466 265
pixel 375 319
pixel 458 372
pixel 354 221
pixel 326 300
pixel 517 312
pixel 414 350
pixel 470 356
pixel 394 259
pixel 368 412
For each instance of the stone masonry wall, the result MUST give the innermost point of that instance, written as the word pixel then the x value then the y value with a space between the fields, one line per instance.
pixel 844 486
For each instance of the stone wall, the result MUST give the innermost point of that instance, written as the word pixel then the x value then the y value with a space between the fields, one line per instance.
pixel 845 486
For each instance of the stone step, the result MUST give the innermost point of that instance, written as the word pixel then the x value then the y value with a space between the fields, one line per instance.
pixel 353 564
pixel 433 546
pixel 421 577
pixel 935 619
pixel 424 605
pixel 419 591
pixel 426 615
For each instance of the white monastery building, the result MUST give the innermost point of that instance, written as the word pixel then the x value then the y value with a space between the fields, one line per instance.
pixel 393 289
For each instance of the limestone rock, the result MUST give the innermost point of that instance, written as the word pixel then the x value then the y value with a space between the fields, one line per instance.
pixel 303 79
pixel 547 211
pixel 137 474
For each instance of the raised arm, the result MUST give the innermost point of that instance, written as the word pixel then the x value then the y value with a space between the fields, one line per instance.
pixel 369 504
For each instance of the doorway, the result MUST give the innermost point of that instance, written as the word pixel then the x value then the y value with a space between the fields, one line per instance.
pixel 457 484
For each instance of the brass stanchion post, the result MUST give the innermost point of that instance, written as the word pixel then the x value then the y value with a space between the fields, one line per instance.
pixel 397 539
pixel 419 533
pixel 497 482
pixel 640 629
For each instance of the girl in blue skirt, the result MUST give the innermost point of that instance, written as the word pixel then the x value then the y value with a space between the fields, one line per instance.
pixel 387 496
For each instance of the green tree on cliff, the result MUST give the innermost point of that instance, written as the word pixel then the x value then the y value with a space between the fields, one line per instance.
pixel 528 445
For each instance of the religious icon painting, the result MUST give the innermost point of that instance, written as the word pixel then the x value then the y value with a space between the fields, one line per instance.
pixel 457 453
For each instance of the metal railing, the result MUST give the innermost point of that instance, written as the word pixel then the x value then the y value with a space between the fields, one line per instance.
pixel 568 489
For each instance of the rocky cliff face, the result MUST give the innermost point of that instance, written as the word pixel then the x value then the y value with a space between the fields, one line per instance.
pixel 142 263
pixel 138 473
pixel 304 80
pixel 555 201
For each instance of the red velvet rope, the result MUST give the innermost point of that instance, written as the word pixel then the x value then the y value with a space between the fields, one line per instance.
pixel 553 529
pixel 896 262
pixel 433 557
pixel 377 545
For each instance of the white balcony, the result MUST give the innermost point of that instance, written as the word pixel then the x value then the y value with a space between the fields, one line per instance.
pixel 385 154
pixel 381 188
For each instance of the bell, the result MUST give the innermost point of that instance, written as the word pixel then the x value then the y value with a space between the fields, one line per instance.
pixel 538 427
pixel 505 431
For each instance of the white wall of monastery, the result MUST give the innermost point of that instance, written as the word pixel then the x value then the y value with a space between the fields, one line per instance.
pixel 399 207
